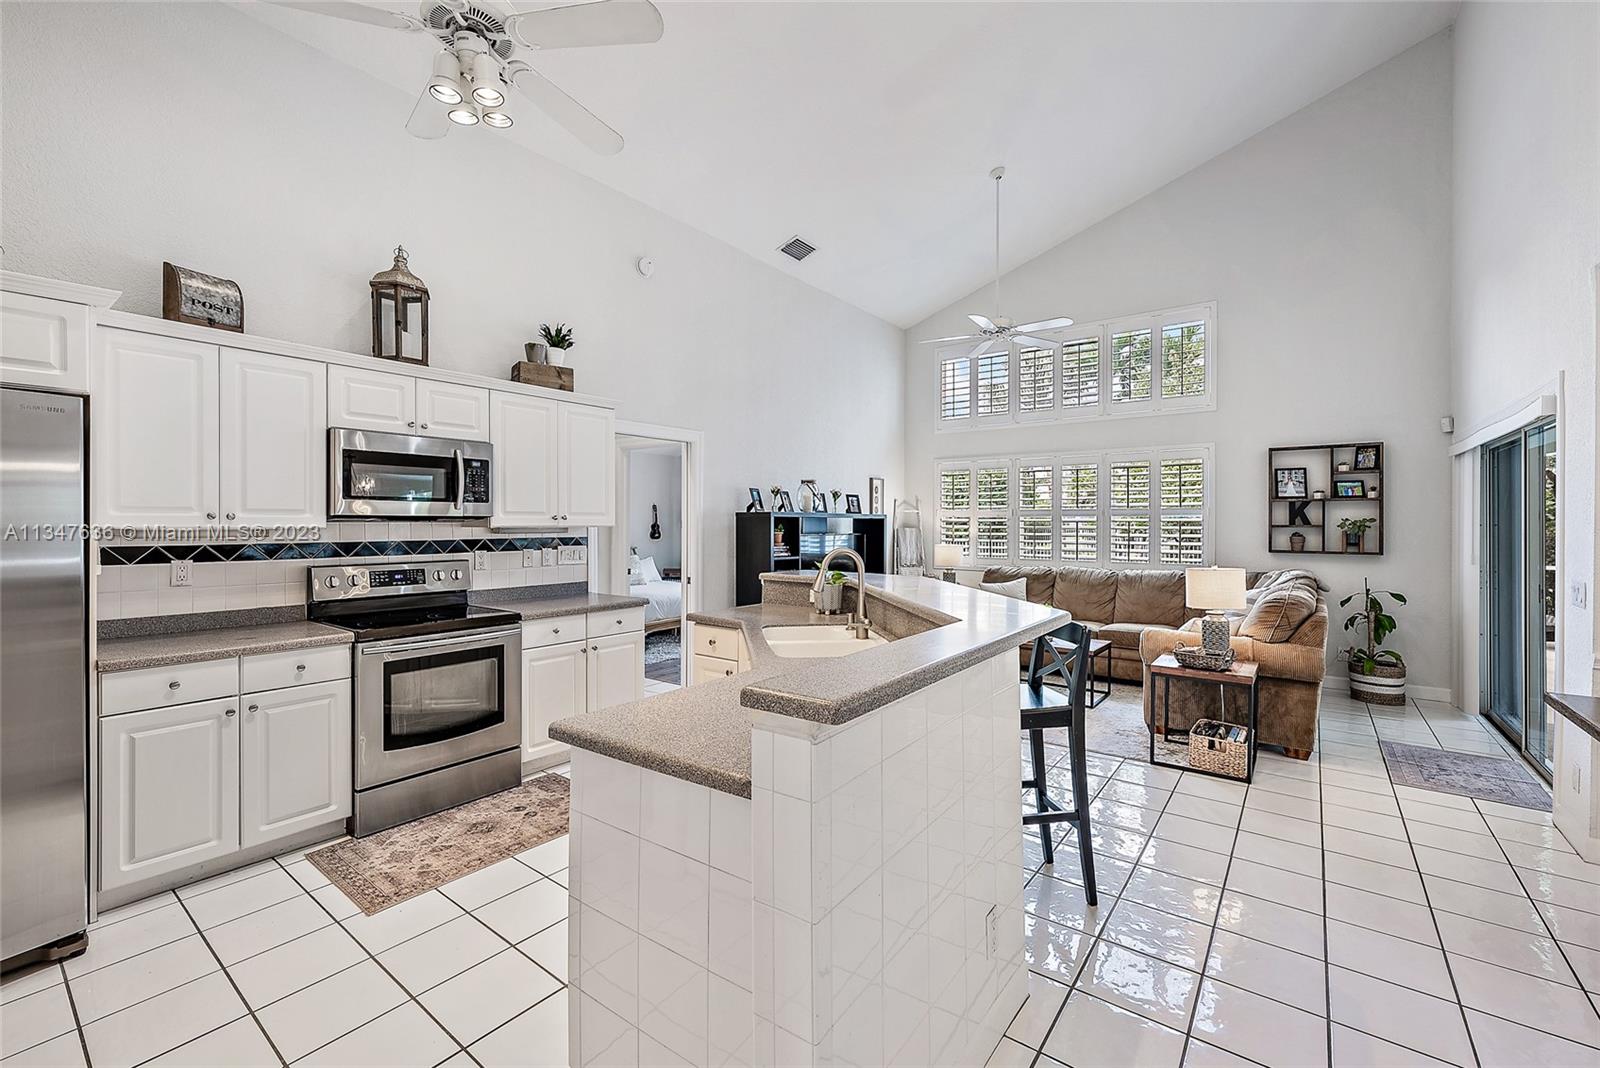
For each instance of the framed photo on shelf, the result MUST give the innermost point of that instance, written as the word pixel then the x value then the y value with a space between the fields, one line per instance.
pixel 1289 483
pixel 783 503
pixel 1348 488
pixel 1366 457
pixel 852 503
pixel 755 501
pixel 875 495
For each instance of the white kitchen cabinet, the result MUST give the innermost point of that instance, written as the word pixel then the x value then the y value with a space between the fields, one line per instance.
pixel 588 469
pixel 169 795
pixel 43 342
pixel 526 442
pixel 294 769
pixel 616 670
pixel 705 668
pixel 371 400
pixel 274 427
pixel 446 410
pixel 155 430
pixel 555 684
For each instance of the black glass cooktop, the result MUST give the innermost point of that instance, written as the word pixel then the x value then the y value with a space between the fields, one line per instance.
pixel 375 625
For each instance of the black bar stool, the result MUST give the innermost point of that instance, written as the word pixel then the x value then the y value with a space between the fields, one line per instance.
pixel 1043 708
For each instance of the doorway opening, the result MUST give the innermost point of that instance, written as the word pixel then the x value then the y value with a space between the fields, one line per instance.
pixel 652 552
pixel 1517 661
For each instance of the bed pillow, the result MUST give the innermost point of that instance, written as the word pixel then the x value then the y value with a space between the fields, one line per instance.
pixel 635 571
pixel 648 570
pixel 1017 588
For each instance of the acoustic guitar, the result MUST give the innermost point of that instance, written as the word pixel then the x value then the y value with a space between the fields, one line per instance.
pixel 655 524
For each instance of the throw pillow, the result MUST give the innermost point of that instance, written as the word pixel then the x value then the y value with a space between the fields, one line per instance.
pixel 1278 612
pixel 1017 588
pixel 648 570
pixel 635 572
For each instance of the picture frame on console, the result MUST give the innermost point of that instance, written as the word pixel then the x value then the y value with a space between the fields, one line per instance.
pixel 1289 483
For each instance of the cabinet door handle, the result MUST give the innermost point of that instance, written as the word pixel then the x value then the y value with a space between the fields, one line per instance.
pixel 250 712
pixel 709 641
pixel 230 713
pixel 412 423
pixel 555 630
pixel 232 516
pixel 174 684
pixel 299 667
pixel 563 517
pixel 729 671
pixel 211 515
pixel 424 426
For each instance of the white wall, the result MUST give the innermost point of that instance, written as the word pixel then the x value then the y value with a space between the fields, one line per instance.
pixel 192 133
pixel 1325 242
pixel 1527 245
pixel 656 477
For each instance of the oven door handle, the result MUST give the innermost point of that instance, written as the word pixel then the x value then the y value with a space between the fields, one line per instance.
pixel 407 645
pixel 461 483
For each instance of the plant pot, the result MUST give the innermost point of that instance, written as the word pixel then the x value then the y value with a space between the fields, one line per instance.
pixel 1352 543
pixel 830 598
pixel 536 352
pixel 558 357
pixel 1380 684
pixel 1297 542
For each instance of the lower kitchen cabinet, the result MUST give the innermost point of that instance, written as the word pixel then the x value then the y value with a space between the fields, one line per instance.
pixel 169 789
pixel 555 684
pixel 294 771
pixel 616 670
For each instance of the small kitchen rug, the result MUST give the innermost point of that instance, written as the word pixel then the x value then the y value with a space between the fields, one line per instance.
pixel 662 646
pixel 387 868
pixel 1467 774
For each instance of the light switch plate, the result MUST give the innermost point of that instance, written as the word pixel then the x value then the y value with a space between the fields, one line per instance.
pixel 530 557
pixel 1580 594
pixel 548 556
pixel 571 554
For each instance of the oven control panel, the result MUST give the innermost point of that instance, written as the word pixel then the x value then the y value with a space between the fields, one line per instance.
pixel 476 490
pixel 338 582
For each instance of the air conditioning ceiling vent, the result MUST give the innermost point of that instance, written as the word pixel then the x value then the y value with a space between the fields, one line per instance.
pixel 797 249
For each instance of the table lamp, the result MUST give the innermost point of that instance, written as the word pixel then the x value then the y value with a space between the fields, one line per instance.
pixel 1214 589
pixel 947 558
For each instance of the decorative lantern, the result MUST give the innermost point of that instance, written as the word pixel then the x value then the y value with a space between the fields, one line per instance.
pixel 400 314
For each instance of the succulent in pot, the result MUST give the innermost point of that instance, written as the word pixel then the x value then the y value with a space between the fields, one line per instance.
pixel 559 339
pixel 1377 676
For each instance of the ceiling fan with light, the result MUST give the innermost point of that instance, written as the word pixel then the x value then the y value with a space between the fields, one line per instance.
pixel 476 66
pixel 1000 330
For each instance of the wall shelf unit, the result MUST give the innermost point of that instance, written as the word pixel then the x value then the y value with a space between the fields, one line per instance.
pixel 1320 525
pixel 797 541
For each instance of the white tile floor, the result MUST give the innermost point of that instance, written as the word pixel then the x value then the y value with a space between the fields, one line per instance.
pixel 1320 916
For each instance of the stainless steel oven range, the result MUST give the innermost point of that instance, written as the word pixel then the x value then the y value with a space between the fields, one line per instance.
pixel 438 687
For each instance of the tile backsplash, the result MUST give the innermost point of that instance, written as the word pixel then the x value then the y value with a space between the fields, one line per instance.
pixel 135 577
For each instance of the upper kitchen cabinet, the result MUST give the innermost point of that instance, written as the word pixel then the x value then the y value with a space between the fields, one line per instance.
pixel 155 431
pixel 526 441
pixel 369 399
pixel 44 331
pixel 274 440
pixel 588 486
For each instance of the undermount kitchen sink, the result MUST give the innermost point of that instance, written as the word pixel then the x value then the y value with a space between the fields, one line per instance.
pixel 828 640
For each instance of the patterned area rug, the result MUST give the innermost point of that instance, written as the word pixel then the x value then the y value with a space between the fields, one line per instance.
pixel 1116 727
pixel 396 865
pixel 662 646
pixel 1466 774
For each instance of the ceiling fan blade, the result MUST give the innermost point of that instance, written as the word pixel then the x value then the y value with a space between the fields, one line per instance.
pixel 428 119
pixel 604 22
pixel 1039 341
pixel 981 347
pixel 958 337
pixel 1058 323
pixel 573 116
pixel 982 322
pixel 354 12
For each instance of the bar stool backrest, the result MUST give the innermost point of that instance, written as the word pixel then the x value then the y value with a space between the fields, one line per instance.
pixel 1072 669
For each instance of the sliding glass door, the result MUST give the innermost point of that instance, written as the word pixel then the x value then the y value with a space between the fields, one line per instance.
pixel 1517 642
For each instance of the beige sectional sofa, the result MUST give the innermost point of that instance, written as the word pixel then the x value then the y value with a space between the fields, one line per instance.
pixel 1143 615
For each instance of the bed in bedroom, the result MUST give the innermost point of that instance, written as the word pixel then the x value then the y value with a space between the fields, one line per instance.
pixel 665 610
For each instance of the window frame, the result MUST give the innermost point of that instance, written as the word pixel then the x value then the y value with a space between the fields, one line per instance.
pixel 1102 513
pixel 1104 407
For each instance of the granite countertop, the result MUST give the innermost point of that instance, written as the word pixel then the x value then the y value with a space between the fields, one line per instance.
pixel 1583 711
pixel 518 600
pixel 702 733
pixel 184 647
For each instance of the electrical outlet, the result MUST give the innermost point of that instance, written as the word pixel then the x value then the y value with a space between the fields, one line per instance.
pixel 548 556
pixel 480 560
pixel 571 554
pixel 992 929
pixel 182 572
pixel 1580 594
pixel 530 557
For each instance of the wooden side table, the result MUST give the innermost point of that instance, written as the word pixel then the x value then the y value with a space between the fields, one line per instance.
pixel 1242 673
pixel 1099 683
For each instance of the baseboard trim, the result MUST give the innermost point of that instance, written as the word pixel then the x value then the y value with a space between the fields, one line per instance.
pixel 1340 685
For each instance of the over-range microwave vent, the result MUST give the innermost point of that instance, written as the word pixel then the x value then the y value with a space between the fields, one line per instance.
pixel 797 248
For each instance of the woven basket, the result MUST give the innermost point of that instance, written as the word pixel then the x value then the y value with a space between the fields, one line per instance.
pixel 1219 754
pixel 1194 656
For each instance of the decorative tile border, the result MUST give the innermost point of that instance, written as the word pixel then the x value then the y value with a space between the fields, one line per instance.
pixel 320 550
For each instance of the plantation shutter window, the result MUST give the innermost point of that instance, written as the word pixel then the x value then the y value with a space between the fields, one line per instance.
pixel 1130 366
pixel 955 508
pixel 993 527
pixel 1080 373
pixel 1080 511
pixel 1035 510
pixel 994 383
pixel 1036 380
pixel 1183 359
pixel 1130 511
pixel 955 389
pixel 1183 496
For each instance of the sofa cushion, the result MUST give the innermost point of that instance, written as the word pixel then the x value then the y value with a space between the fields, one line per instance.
pixel 1017 588
pixel 1041 580
pixel 1272 578
pixel 1122 635
pixel 1150 597
pixel 1279 612
pixel 1086 592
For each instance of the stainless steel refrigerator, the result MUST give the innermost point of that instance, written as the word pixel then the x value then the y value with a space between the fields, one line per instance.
pixel 44 676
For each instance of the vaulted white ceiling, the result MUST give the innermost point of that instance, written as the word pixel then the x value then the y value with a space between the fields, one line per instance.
pixel 869 128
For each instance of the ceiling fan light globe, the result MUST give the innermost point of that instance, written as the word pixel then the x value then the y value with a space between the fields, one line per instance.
pixel 486 81
pixel 497 119
pixel 445 85
pixel 464 114
pixel 444 91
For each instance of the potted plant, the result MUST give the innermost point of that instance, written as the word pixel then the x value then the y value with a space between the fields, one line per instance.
pixel 1355 533
pixel 1377 676
pixel 830 597
pixel 559 338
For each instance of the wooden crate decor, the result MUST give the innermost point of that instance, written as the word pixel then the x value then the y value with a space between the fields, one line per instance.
pixel 542 374
pixel 188 296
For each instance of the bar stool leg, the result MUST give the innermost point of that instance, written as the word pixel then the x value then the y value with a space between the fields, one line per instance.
pixel 1036 745
pixel 1080 805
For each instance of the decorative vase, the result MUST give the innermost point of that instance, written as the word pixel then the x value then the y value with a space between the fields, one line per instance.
pixel 807 501
pixel 1297 542
pixel 536 352
pixel 1381 684
pixel 1344 466
pixel 1352 543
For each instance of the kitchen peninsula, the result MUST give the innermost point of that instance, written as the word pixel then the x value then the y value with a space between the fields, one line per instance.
pixel 810 858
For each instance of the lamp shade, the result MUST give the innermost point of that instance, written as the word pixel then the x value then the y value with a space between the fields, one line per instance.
pixel 946 555
pixel 1214 588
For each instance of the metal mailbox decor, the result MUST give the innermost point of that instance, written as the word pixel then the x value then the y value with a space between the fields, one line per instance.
pixel 400 313
pixel 202 299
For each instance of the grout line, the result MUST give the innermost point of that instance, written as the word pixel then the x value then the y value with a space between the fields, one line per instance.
pixel 236 991
pixel 77 1021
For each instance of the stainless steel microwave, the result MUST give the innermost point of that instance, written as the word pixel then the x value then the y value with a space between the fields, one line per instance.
pixel 372 475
